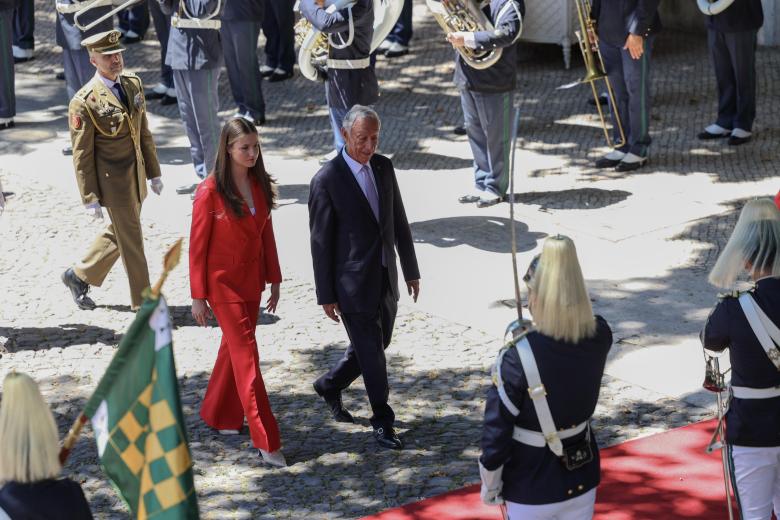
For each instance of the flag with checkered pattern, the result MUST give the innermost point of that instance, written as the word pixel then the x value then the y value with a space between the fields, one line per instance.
pixel 138 422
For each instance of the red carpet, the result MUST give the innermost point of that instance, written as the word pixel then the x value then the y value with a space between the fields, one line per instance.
pixel 662 477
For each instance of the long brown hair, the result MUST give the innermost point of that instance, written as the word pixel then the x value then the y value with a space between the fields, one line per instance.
pixel 233 130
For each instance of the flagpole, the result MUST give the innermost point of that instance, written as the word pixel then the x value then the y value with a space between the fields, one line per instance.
pixel 72 436
pixel 170 261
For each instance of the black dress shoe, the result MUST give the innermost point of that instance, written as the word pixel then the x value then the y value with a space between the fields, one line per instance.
pixel 459 130
pixel 153 95
pixel 60 76
pixel 706 136
pixel 7 125
pixel 168 100
pixel 78 289
pixel 67 150
pixel 624 166
pixel 23 60
pixel 387 438
pixel 736 141
pixel 607 163
pixel 129 40
pixel 336 406
pixel 276 76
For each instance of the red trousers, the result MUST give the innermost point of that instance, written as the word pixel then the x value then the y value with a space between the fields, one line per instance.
pixel 236 388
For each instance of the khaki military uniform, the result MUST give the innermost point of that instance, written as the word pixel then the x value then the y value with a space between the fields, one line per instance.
pixel 114 155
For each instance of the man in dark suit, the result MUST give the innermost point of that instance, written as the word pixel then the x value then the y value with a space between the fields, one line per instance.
pixel 357 219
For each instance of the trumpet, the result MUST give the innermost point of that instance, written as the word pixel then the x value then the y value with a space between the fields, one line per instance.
pixel 79 8
pixel 596 71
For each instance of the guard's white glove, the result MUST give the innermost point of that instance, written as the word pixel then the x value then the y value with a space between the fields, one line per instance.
pixel 94 210
pixel 157 185
pixel 490 492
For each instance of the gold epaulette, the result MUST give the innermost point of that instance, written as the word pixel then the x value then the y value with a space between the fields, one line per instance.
pixel 84 91
pixel 731 294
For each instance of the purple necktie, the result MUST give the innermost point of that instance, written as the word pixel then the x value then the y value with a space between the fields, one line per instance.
pixel 369 191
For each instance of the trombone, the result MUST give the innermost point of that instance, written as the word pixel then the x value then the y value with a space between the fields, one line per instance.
pixel 79 8
pixel 595 71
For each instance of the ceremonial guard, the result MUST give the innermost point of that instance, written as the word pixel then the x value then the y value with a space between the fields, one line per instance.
pixel 486 95
pixel 164 90
pixel 24 31
pixel 75 57
pixel 626 31
pixel 114 155
pixel 7 87
pixel 732 29
pixel 279 30
pixel 747 324
pixel 539 455
pixel 195 55
pixel 351 78
pixel 241 24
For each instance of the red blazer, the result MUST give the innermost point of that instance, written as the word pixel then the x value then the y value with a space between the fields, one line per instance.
pixel 231 258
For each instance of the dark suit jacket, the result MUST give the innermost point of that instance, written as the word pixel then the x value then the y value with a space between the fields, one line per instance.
pixel 53 499
pixel 742 15
pixel 347 242
pixel 616 19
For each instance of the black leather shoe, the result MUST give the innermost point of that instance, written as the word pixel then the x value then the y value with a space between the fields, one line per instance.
pixel 606 163
pixel 68 150
pixel 7 125
pixel 276 77
pixel 168 100
pixel 78 290
pixel 706 136
pixel 336 406
pixel 153 95
pixel 459 130
pixel 736 141
pixel 624 166
pixel 130 40
pixel 387 438
pixel 60 76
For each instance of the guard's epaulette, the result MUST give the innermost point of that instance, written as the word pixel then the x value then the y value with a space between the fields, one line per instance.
pixel 731 294
pixel 130 75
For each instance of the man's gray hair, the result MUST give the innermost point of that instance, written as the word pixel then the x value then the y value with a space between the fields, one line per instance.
pixel 358 112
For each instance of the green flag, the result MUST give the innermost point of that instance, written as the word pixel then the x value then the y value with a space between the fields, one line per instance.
pixel 138 422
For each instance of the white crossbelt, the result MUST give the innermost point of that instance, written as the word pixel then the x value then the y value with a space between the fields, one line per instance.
pixel 75 7
pixel 767 332
pixel 536 439
pixel 360 63
pixel 744 392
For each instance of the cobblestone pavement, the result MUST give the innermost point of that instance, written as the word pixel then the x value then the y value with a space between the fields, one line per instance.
pixel 438 366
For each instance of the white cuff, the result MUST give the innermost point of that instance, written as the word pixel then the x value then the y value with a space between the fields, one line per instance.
pixel 470 40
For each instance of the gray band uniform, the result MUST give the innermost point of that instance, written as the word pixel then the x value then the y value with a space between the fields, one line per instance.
pixel 241 24
pixel 351 77
pixel 75 58
pixel 487 96
pixel 7 95
pixel 162 26
pixel 195 55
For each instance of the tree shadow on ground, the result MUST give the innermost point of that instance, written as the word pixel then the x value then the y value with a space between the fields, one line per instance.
pixel 486 233
pixel 62 336
pixel 581 198
pixel 293 194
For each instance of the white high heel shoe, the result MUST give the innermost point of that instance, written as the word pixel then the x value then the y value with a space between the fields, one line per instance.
pixel 274 458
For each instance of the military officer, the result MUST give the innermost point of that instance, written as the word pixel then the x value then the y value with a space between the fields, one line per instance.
pixel 195 55
pixel 7 92
pixel 351 78
pixel 241 24
pixel 75 57
pixel 114 155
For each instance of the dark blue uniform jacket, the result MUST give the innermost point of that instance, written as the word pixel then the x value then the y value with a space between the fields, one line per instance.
pixel 347 87
pixel 571 373
pixel 616 19
pixel 749 422
pixel 244 10
pixel 55 499
pixel 502 76
pixel 742 15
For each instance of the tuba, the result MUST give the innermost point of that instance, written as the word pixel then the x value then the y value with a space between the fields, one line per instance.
pixel 465 16
pixel 313 44
pixel 78 8
pixel 713 7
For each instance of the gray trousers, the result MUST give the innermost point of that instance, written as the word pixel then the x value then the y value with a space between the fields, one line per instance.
pixel 239 44
pixel 488 118
pixel 734 59
pixel 630 81
pixel 7 90
pixel 78 69
pixel 24 25
pixel 198 99
pixel 162 26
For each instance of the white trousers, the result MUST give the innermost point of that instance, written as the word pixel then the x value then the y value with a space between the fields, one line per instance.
pixel 757 474
pixel 577 508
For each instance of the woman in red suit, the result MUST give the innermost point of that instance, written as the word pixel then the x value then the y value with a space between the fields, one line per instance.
pixel 232 258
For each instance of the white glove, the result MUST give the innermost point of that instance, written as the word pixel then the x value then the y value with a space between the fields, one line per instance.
pixel 94 210
pixel 157 185
pixel 490 492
